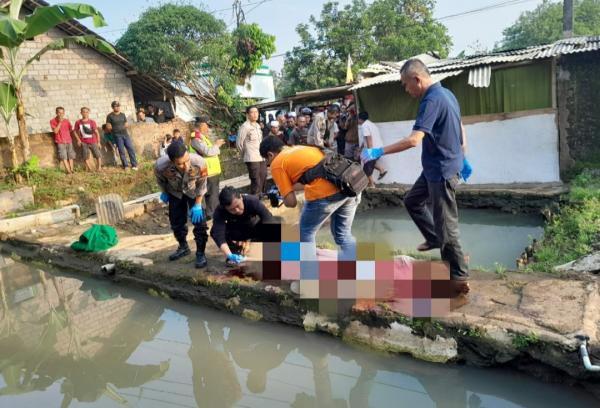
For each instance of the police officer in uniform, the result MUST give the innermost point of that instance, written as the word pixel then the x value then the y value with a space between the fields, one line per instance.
pixel 182 178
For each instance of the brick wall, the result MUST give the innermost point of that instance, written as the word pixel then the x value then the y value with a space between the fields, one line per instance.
pixel 578 95
pixel 72 78
pixel 146 139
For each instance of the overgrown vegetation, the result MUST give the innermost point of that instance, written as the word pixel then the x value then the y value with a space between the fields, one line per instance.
pixel 53 188
pixel 575 230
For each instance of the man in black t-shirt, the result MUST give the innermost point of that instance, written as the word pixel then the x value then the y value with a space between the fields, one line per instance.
pixel 117 125
pixel 239 218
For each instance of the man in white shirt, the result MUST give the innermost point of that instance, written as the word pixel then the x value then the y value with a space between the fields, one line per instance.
pixel 370 138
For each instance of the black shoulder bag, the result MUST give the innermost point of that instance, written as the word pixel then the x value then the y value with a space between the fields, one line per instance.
pixel 345 174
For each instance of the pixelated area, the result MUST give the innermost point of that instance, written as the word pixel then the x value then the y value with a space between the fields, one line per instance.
pixel 412 287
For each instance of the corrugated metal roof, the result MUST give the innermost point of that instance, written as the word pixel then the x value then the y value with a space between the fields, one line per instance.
pixel 395 77
pixel 480 66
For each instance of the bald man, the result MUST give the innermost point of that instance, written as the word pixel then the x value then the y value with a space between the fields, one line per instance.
pixel 438 126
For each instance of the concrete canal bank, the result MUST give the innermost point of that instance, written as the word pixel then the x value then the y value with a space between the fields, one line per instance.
pixel 527 321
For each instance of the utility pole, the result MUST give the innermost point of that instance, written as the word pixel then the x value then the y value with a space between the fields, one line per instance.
pixel 567 18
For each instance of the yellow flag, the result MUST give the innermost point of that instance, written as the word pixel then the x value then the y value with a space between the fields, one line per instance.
pixel 349 76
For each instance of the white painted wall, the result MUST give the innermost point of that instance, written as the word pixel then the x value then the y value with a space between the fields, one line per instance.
pixel 521 150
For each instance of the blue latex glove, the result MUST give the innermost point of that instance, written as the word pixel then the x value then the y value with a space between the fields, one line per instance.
pixel 467 170
pixel 235 258
pixel 164 197
pixel 371 154
pixel 196 214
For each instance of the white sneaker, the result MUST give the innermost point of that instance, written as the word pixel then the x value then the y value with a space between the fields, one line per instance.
pixel 134 168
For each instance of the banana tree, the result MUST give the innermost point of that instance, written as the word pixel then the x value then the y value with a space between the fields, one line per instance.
pixel 15 29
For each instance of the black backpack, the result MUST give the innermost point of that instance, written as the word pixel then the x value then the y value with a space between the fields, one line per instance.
pixel 345 174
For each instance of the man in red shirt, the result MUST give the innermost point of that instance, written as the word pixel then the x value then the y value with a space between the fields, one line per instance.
pixel 88 138
pixel 62 137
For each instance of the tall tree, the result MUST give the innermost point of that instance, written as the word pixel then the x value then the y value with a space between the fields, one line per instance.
pixel 15 29
pixel 369 32
pixel 544 24
pixel 188 46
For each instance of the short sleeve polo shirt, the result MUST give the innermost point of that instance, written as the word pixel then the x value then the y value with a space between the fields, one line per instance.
pixel 439 119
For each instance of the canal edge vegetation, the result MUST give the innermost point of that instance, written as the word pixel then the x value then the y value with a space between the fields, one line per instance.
pixel 574 231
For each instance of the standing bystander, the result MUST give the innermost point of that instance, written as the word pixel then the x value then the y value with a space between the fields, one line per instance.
pixel 88 136
pixel 118 128
pixel 62 137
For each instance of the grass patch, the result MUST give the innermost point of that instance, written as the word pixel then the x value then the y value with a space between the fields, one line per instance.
pixel 522 341
pixel 53 188
pixel 575 230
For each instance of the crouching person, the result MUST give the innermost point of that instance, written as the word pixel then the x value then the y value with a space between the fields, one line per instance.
pixel 238 218
pixel 182 179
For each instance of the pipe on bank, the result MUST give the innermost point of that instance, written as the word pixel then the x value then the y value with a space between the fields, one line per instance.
pixel 585 355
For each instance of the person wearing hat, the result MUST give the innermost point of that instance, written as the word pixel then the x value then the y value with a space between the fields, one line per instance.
pixel 275 130
pixel 307 112
pixel 117 125
pixel 201 144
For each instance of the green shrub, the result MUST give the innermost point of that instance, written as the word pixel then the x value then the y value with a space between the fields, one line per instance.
pixel 573 232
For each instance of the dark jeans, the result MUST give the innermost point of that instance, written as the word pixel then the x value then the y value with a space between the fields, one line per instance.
pixel 178 217
pixel 441 227
pixel 341 142
pixel 211 198
pixel 124 143
pixel 257 171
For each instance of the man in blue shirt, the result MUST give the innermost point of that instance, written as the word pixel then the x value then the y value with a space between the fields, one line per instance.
pixel 438 126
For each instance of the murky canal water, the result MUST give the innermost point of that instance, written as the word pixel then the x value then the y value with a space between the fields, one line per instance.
pixel 66 342
pixel 490 237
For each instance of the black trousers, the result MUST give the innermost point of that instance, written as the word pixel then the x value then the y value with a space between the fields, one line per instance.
pixel 440 224
pixel 341 142
pixel 178 217
pixel 236 232
pixel 257 171
pixel 211 198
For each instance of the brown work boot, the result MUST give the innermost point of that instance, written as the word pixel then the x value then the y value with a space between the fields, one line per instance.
pixel 427 246
pixel 459 287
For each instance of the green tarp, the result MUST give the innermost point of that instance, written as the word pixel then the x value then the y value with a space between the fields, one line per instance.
pixel 97 238
pixel 513 89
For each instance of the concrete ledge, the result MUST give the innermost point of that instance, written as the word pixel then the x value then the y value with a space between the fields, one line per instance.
pixel 10 225
pixel 527 198
pixel 15 200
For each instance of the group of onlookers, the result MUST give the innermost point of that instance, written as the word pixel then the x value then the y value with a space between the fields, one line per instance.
pixel 86 134
pixel 336 127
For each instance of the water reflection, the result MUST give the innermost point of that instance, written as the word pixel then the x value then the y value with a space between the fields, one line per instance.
pixel 52 331
pixel 64 341
pixel 488 236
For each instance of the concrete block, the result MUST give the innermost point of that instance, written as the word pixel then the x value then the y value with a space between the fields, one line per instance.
pixel 67 214
pixel 15 200
pixel 134 210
